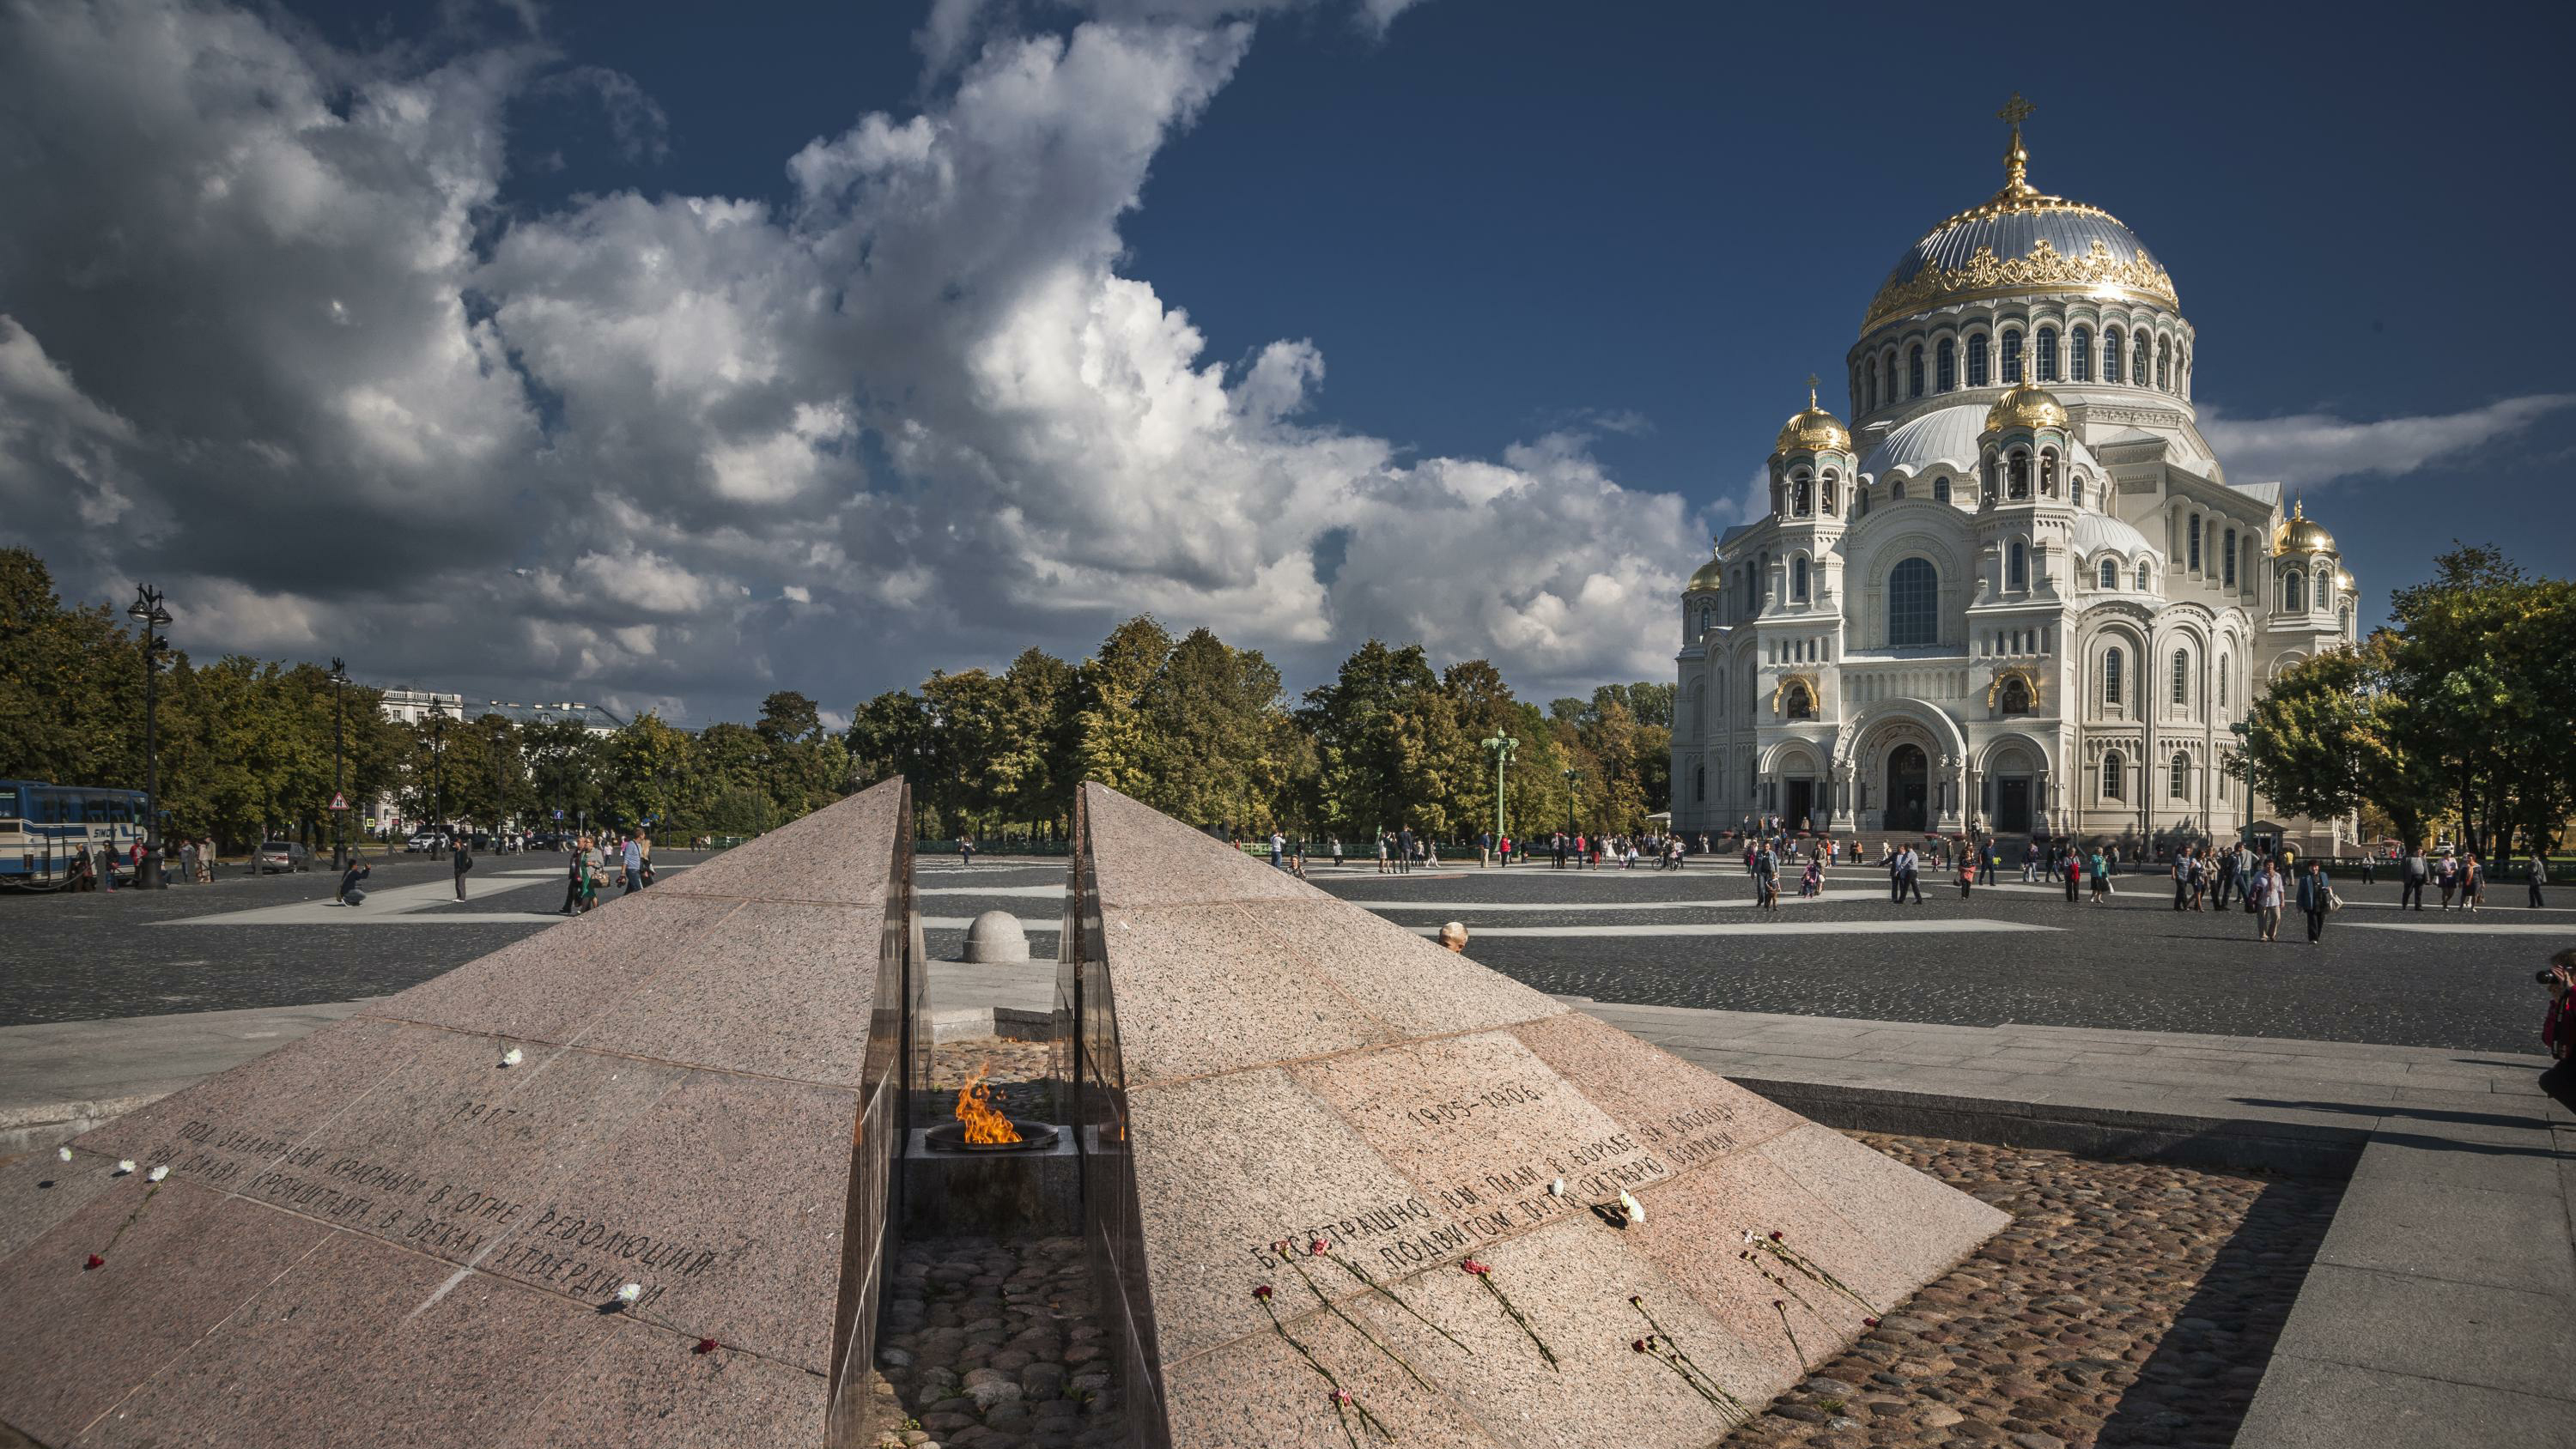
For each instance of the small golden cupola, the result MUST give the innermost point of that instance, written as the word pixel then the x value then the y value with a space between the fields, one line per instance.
pixel 2026 405
pixel 2302 534
pixel 1711 579
pixel 1813 430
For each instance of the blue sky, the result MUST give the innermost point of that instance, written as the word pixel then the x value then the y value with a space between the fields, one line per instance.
pixel 1468 325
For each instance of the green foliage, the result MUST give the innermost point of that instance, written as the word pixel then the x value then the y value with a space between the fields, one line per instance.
pixel 2455 715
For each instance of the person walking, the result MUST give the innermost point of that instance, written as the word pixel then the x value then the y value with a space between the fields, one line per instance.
pixel 572 879
pixel 2369 864
pixel 2537 874
pixel 1335 842
pixel 2473 882
pixel 1914 874
pixel 2226 876
pixel 462 861
pixel 2072 868
pixel 2101 872
pixel 1406 845
pixel 2182 876
pixel 2316 898
pixel 1278 848
pixel 632 858
pixel 644 852
pixel 1766 879
pixel 2410 878
pixel 2267 904
pixel 1968 872
pixel 2447 876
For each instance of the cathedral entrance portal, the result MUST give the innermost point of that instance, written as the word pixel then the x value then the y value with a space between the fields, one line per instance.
pixel 1908 788
pixel 2012 806
pixel 1801 800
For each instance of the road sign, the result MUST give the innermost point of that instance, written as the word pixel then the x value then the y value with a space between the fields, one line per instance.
pixel 339 801
pixel 558 815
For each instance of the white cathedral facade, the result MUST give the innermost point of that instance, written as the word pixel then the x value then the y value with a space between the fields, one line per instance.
pixel 2018 594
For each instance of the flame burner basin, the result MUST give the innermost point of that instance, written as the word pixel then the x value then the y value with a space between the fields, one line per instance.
pixel 951 1137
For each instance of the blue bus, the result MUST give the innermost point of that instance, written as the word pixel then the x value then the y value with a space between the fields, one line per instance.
pixel 43 827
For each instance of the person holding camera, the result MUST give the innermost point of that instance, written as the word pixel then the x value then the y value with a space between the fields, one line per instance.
pixel 2558 1024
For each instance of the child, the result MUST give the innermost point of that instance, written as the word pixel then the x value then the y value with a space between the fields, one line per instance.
pixel 1811 884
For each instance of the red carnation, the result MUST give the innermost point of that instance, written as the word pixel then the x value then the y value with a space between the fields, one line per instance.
pixel 705 1345
pixel 1869 1323
pixel 1318 1248
pixel 1779 1302
pixel 1636 1301
pixel 1262 1292
pixel 1472 1266
pixel 1775 1235
pixel 1638 1344
pixel 95 1261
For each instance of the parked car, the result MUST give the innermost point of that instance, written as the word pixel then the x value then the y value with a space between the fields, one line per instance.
pixel 420 841
pixel 276 855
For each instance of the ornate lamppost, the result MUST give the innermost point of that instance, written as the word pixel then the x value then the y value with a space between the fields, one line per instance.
pixel 147 610
pixel 339 677
pixel 1571 777
pixel 1502 745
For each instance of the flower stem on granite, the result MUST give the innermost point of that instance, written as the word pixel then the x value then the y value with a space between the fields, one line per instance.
pixel 99 1258
pixel 1325 1251
pixel 1343 1403
pixel 1779 1248
pixel 1781 1307
pixel 1673 1356
pixel 1288 1257
pixel 1484 1273
pixel 1776 1281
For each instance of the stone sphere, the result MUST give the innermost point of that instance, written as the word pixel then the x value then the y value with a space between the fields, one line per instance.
pixel 996 937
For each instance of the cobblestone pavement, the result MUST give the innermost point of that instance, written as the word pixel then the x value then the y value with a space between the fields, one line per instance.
pixel 2461 982
pixel 2127 1303
pixel 1692 939
pixel 107 954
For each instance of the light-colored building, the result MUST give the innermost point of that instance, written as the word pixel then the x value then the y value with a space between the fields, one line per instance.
pixel 2018 593
pixel 412 706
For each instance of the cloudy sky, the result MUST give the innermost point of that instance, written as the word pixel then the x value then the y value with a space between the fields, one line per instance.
pixel 532 351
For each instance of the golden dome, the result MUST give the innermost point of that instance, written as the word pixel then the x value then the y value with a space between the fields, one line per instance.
pixel 1711 579
pixel 1814 430
pixel 2343 581
pixel 2301 534
pixel 2026 405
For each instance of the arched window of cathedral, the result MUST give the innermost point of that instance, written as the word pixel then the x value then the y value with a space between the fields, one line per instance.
pixel 2294 592
pixel 1860 503
pixel 2079 355
pixel 1798 580
pixel 1896 490
pixel 2146 580
pixel 2222 681
pixel 2164 365
pixel 1948 364
pixel 1707 617
pixel 1914 371
pixel 1941 490
pixel 2227 561
pixel 2195 543
pixel 2114 769
pixel 1869 387
pixel 2044 358
pixel 1913 604
pixel 2048 474
pixel 2347 621
pixel 2181 776
pixel 2012 356
pixel 2017 568
pixel 2112 661
pixel 2325 589
pixel 2111 354
pixel 1798 704
pixel 2077 491
pixel 2182 676
pixel 2016 696
pixel 1829 495
pixel 2138 362
pixel 1799 498
pixel 2110 574
pixel 2017 470
pixel 1977 360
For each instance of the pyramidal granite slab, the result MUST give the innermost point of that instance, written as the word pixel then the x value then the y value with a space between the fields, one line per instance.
pixel 419 1225
pixel 1302 1123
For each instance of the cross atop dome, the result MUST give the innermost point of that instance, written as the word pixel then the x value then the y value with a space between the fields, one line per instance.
pixel 2016 160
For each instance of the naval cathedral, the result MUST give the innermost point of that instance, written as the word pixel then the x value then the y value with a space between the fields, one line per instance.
pixel 2017 593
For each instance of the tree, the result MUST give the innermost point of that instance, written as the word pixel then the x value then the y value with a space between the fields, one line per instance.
pixel 2320 742
pixel 1387 742
pixel 1212 753
pixel 2480 675
pixel 1110 743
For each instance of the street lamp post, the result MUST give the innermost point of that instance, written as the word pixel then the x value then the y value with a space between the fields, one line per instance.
pixel 148 611
pixel 1571 776
pixel 1502 745
pixel 437 766
pixel 339 814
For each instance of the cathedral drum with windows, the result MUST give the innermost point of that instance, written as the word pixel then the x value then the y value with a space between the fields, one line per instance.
pixel 2018 594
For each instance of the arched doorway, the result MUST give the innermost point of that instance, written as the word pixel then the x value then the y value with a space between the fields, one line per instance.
pixel 1909 777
